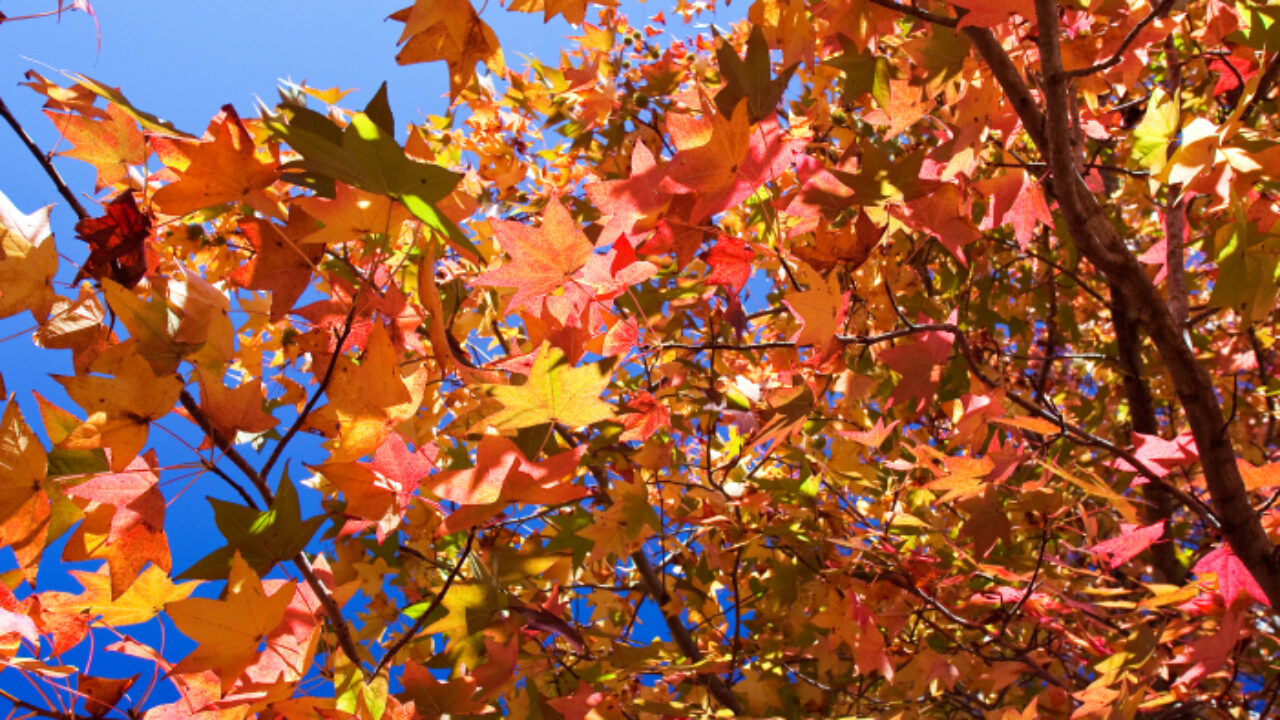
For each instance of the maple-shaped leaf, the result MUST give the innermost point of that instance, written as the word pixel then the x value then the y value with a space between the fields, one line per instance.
pixel 123 523
pixel 351 214
pixel 448 30
pixel 434 699
pixel 1160 456
pixel 722 160
pixel 730 260
pixel 919 362
pixel 1158 128
pixel 231 411
pixel 229 631
pixel 850 246
pixel 542 259
pixel 574 11
pixel 372 496
pixel 260 538
pixel 111 144
pixel 1211 652
pixel 369 398
pixel 1233 577
pixel 985 13
pixel 24 503
pixel 1017 200
pixel 221 167
pixel 145 598
pixel 750 78
pixel 555 391
pixel 630 201
pixel 503 475
pixel 586 703
pixel 121 409
pixel 28 261
pixel 820 308
pixel 365 154
pixel 118 247
pixel 279 263
pixel 1130 543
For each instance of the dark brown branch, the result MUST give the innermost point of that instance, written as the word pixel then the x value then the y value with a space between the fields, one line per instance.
pixel 1007 74
pixel 658 593
pixel 1101 243
pixel 1267 81
pixel 1143 415
pixel 45 163
pixel 418 624
pixel 1159 11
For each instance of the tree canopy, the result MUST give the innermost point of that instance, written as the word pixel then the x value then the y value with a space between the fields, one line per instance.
pixel 862 359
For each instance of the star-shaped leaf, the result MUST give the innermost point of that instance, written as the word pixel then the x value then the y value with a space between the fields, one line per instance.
pixel 260 538
pixel 554 392
pixel 110 144
pixel 542 259
pixel 220 167
pixel 229 631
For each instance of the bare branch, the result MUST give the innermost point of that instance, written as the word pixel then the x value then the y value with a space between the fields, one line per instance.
pixel 45 163
pixel 418 624
pixel 1159 11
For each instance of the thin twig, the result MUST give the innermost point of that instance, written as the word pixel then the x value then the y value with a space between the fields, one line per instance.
pixel 1160 10
pixel 418 624
pixel 320 390
pixel 916 12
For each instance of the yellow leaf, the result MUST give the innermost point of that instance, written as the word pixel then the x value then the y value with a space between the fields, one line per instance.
pixel 555 392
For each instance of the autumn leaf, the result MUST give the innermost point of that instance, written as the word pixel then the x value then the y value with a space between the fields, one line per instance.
pixel 279 263
pixel 750 78
pixel 554 391
pixel 351 214
pixel 257 538
pixel 223 166
pixel 123 523
pixel 503 475
pixel 118 246
pixel 1131 542
pixel 1232 576
pixel 542 259
pixel 365 155
pixel 574 11
pixel 110 144
pixel 369 398
pixel 145 598
pixel 731 263
pixel 449 30
pixel 28 261
pixel 230 631
pixel 121 409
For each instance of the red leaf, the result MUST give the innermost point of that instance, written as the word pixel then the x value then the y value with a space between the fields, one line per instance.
pixel 1130 543
pixel 117 243
pixel 1233 577
pixel 730 262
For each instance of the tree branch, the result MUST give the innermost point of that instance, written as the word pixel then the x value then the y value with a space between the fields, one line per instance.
pixel 412 632
pixel 1159 11
pixel 45 163
pixel 1101 243
pixel 917 13
pixel 658 593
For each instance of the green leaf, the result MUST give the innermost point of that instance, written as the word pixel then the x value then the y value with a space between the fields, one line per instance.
pixel 365 154
pixel 263 538
pixel 750 79
pixel 117 98
pixel 1158 128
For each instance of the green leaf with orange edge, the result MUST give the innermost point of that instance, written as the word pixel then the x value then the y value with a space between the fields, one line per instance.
pixel 229 631
pixel 146 598
pixel 260 538
pixel 555 391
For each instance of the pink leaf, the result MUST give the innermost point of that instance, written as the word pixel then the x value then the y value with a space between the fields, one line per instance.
pixel 1131 541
